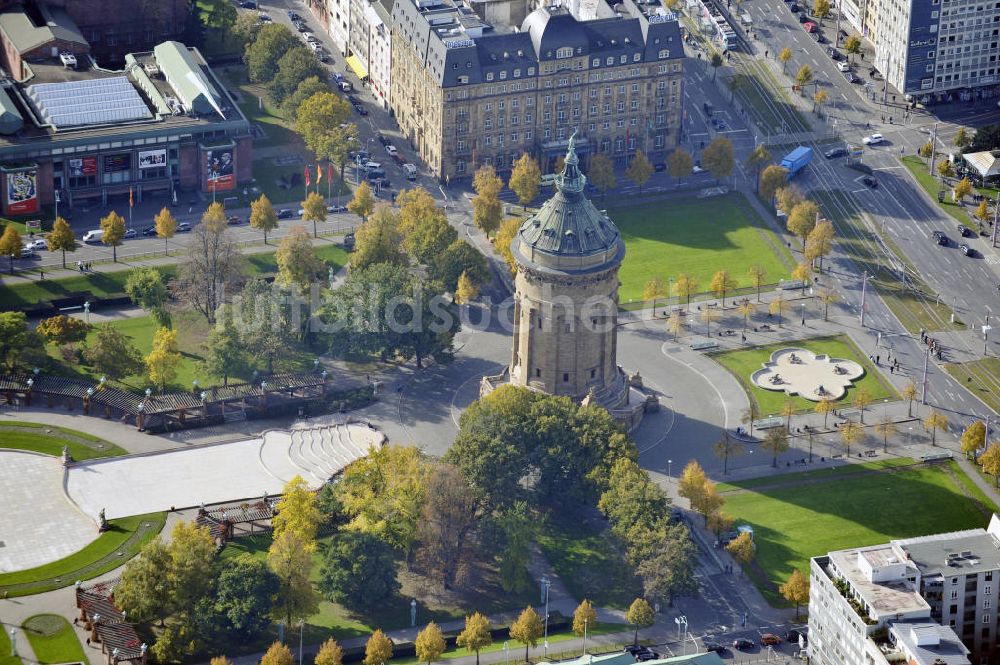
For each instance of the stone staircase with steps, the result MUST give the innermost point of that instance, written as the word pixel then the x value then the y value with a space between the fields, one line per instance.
pixel 316 453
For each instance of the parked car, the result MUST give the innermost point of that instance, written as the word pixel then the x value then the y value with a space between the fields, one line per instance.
pixel 834 54
pixel 300 26
pixel 308 36
pixel 843 66
pixel 286 213
pixel 390 148
pixel 697 169
pixel 852 77
pixel 964 231
pixel 659 167
pixel 818 37
pixel 870 181
pixel 37 244
pixel 248 4
pixel 184 227
pixel 263 17
pixel 803 18
pixel 294 16
pixel 149 231
pixel 633 649
pixel 743 644
pixel 382 139
pixel 348 243
pixel 712 647
pixel 336 208
pixel 93 237
pixel 28 253
pixel 769 639
pixel 833 153
pixel 938 236
pixel 965 249
pixel 810 27
pixel 323 56
pixel 234 220
pixel 129 234
pixel 315 46
pixel 794 635
pixel 647 655
pixel 360 110
pixel 794 7
pixel 874 139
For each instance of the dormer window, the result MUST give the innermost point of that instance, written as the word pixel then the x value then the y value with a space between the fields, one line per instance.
pixel 489 76
pixel 596 63
pixel 637 57
pixel 611 60
pixel 664 54
pixel 503 75
pixel 517 73
pixel 564 52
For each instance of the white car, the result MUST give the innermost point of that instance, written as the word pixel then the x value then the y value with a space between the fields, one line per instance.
pixel 843 66
pixel 391 149
pixel 315 46
pixel 36 245
pixel 309 37
pixel 874 139
pixel 697 169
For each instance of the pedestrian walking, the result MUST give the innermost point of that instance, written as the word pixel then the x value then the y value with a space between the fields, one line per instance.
pixel 79 266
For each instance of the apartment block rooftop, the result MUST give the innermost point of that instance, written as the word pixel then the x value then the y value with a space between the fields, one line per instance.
pixel 958 552
pixel 884 598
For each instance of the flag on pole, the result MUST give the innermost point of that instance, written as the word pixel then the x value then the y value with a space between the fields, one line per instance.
pixel 305 172
pixel 131 199
pixel 319 174
pixel 329 172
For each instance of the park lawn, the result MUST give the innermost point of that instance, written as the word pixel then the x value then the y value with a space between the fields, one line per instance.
pixel 797 521
pixel 980 377
pixel 820 474
pixel 743 362
pixel 930 184
pixel 588 561
pixel 108 551
pixel 664 239
pixel 5 657
pixel 30 436
pixel 53 640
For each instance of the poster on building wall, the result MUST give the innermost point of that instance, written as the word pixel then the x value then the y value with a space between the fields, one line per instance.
pixel 82 166
pixel 152 159
pixel 219 170
pixel 117 163
pixel 22 192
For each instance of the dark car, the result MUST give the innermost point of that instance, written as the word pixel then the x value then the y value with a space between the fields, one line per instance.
pixel 803 18
pixel 770 639
pixel 130 233
pixel 852 77
pixel 184 227
pixel 659 167
pixel 382 139
pixel 834 54
pixel 818 36
pixel 234 220
pixel 293 15
pixel 833 153
pixel 647 655
pixel 870 181
pixel 348 241
pixel 708 108
pixel 248 4
pixel 360 110
pixel 712 647
pixel 793 636
pixel 286 213
pixel 353 100
pixel 964 231
pixel 633 649
pixel 965 249
pixel 940 238
pixel 742 643
pixel 323 56
pixel 794 7
pixel 300 26
pixel 149 231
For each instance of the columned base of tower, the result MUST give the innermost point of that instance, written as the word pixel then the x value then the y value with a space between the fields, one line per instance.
pixel 624 398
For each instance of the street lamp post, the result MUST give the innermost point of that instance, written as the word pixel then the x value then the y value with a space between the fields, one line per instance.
pixel 682 622
pixel 986 332
pixel 546 583
pixel 302 623
pixel 585 637
pixel 670 463
pixel 864 290
pixel 803 313
pixel 12 263
pixel 923 379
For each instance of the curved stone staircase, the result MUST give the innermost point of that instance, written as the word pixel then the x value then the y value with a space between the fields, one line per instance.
pixel 316 453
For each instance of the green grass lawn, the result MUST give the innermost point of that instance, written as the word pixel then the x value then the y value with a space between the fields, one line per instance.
pixel 53 640
pixel 49 440
pixel 918 167
pixel 743 362
pixel 588 561
pixel 980 377
pixel 5 657
pixel 797 521
pixel 696 237
pixel 825 473
pixel 110 550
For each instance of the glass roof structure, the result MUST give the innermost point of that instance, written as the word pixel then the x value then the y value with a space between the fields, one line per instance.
pixel 102 101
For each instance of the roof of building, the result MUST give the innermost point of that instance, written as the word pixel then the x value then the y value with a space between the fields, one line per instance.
pixel 568 234
pixel 882 598
pixel 930 644
pixel 100 101
pixel 26 34
pixel 624 658
pixel 955 553
pixel 184 73
pixel 10 118
pixel 987 163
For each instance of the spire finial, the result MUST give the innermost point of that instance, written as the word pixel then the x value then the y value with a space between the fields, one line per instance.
pixel 571 180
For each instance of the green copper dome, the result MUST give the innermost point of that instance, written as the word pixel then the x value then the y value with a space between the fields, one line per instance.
pixel 568 234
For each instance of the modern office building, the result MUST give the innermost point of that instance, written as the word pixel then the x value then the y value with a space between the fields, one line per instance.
pixel 70 131
pixel 467 92
pixel 932 49
pixel 925 600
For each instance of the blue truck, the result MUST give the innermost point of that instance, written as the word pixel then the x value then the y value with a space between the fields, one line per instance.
pixel 797 160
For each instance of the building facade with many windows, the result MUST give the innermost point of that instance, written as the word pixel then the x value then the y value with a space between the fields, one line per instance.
pixel 468 93
pixel 917 600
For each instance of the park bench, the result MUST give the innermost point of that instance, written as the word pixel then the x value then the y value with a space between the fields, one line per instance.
pixel 769 423
pixel 704 345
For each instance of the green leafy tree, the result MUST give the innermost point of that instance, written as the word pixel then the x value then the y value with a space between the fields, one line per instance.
pixel 718 158
pixel 715 61
pixel 476 635
pixel 111 353
pixel 265 320
pixel 190 573
pixel 639 614
pixel 525 179
pixel 527 629
pixel 322 120
pixel 295 66
pixel 640 170
pixel 308 87
pixel 757 160
pixel 245 28
pixel 263 53
pixel 679 163
pixel 430 643
pixel 244 596
pixel 378 240
pixel 61 239
pixel 298 263
pixel 459 258
pixel 224 354
pixel 358 571
pixel 145 583
pixel 602 173
pixel 145 288
pixel 668 570
pixel 291 560
pixel 114 232
pixel 512 538
pixel 262 216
